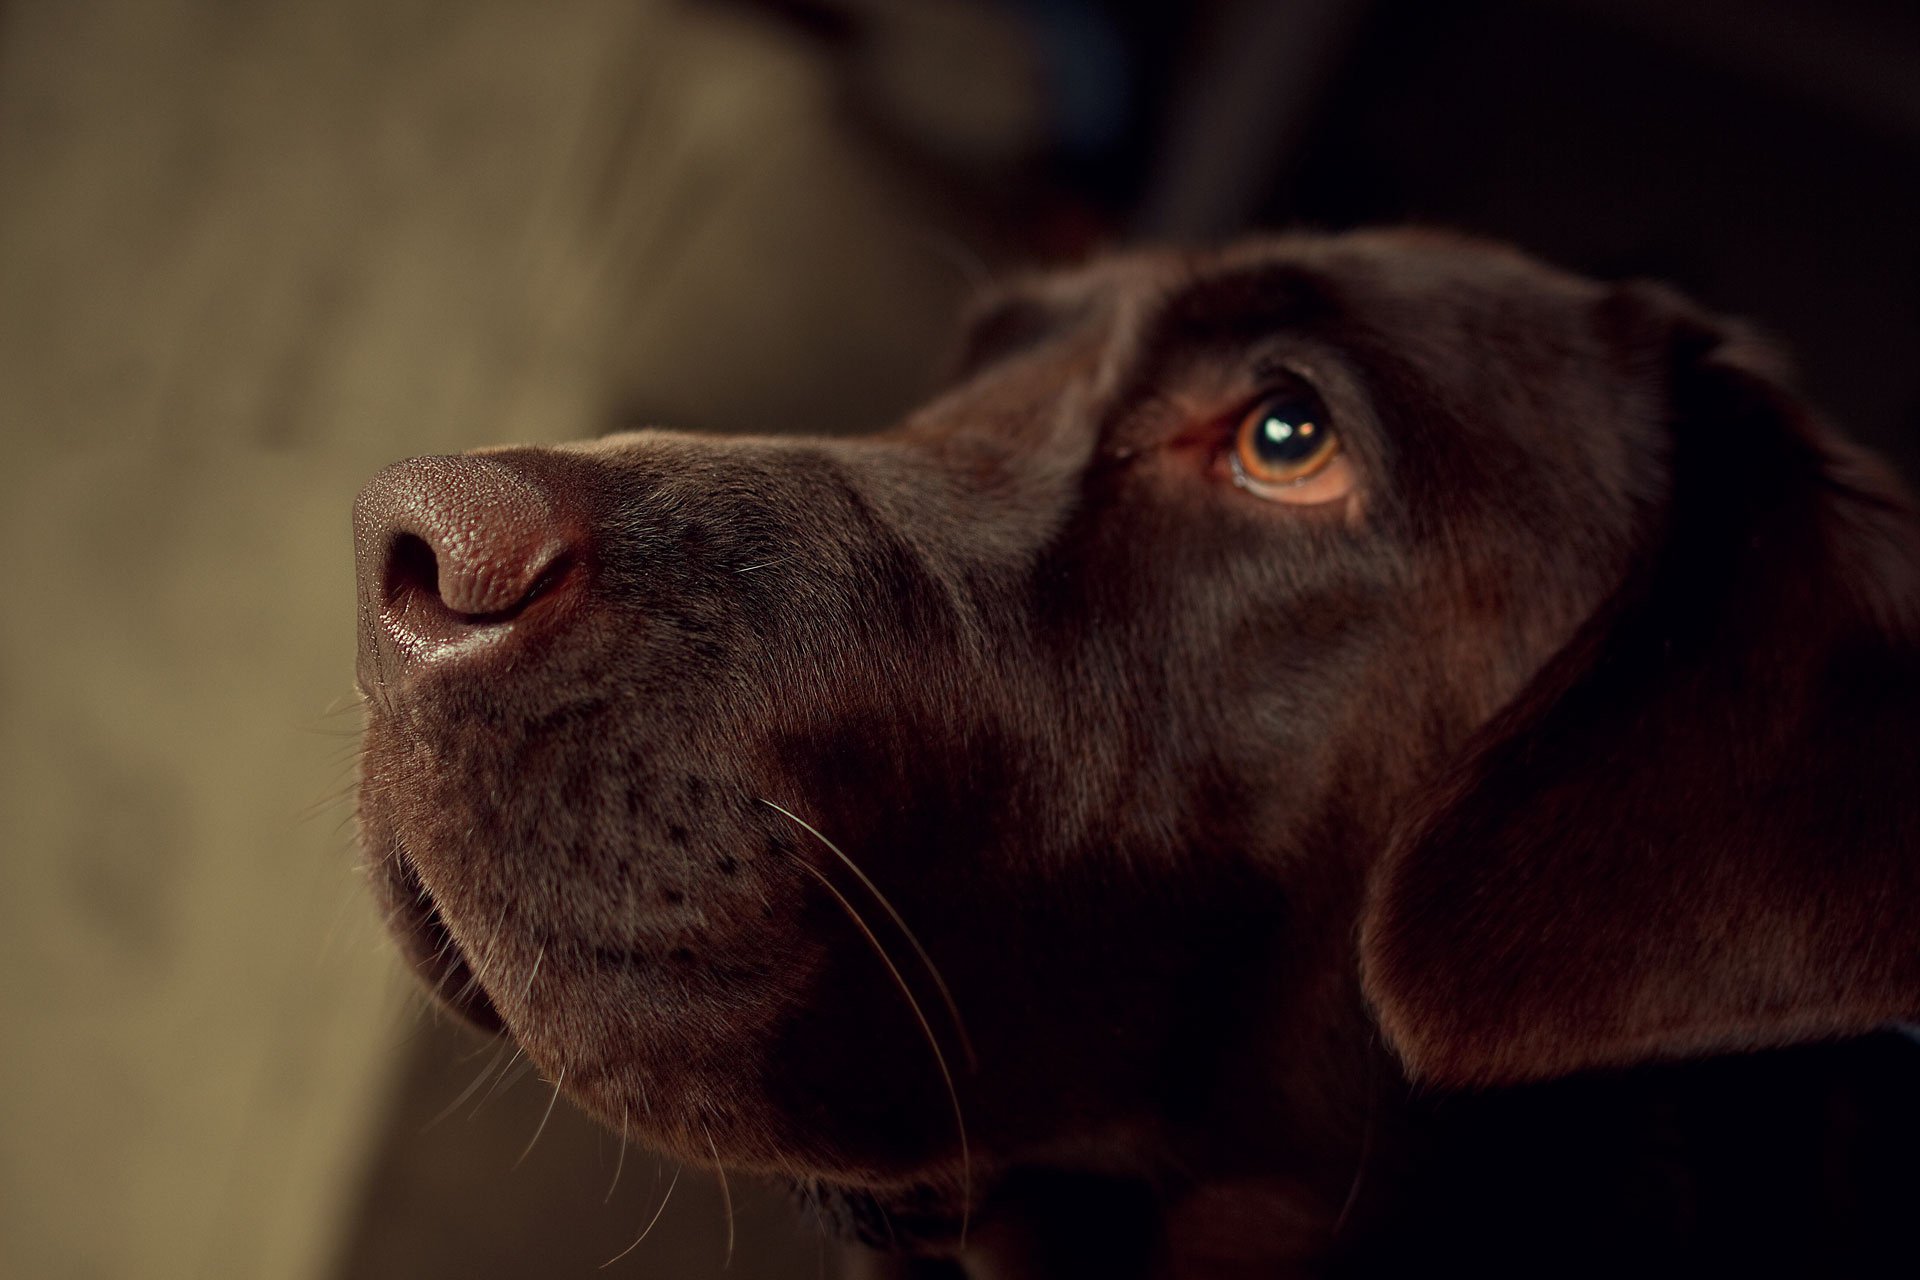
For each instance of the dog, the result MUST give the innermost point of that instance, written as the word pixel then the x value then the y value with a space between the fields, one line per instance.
pixel 1306 758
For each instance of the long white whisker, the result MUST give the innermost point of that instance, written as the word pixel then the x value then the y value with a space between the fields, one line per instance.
pixel 621 1161
pixel 514 1068
pixel 471 1089
pixel 546 1116
pixel 940 1058
pixel 648 1229
pixel 538 960
pixel 726 1195
pixel 933 970
pixel 476 978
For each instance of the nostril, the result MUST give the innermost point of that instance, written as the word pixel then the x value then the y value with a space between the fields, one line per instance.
pixel 455 551
pixel 464 582
pixel 412 569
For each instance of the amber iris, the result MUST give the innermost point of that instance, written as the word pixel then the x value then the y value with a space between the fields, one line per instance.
pixel 1286 439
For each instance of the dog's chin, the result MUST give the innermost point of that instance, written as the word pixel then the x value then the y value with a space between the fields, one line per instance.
pixel 428 945
pixel 728 1016
pixel 726 1094
pixel 668 1037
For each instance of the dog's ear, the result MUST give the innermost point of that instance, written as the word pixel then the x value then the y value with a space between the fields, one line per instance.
pixel 1698 828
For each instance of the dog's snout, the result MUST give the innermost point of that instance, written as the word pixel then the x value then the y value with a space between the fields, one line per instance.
pixel 452 550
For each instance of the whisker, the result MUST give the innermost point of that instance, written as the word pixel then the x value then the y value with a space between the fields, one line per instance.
pixel 726 1194
pixel 469 1091
pixel 559 1080
pixel 476 977
pixel 319 807
pixel 340 704
pixel 446 971
pixel 648 1229
pixel 497 1041
pixel 940 1058
pixel 620 1162
pixel 514 1068
pixel 933 970
pixel 538 960
pixel 764 564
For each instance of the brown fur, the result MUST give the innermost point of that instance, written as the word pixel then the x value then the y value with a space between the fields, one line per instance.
pixel 1592 719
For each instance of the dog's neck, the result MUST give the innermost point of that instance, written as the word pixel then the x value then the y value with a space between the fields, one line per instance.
pixel 1266 1187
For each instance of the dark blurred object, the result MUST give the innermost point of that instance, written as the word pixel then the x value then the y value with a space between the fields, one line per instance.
pixel 1037 113
pixel 1764 156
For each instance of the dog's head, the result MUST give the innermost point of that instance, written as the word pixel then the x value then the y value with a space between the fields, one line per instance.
pixel 1010 788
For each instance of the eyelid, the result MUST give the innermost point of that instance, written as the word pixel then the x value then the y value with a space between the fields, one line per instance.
pixel 1199 420
pixel 1334 486
pixel 1272 373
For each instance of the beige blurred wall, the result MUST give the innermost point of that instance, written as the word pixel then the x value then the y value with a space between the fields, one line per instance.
pixel 248 254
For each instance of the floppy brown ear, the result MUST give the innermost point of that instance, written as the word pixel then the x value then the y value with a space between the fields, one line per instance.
pixel 1698 829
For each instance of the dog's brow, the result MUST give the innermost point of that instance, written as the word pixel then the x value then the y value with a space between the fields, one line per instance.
pixel 1233 307
pixel 1212 312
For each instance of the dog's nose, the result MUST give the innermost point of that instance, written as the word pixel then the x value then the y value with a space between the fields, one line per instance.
pixel 451 552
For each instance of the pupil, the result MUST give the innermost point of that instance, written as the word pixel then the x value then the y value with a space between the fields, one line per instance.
pixel 1288 437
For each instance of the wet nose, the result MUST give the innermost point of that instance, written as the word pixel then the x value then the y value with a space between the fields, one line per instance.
pixel 452 552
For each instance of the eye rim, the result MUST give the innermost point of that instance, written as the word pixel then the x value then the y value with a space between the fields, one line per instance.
pixel 1252 476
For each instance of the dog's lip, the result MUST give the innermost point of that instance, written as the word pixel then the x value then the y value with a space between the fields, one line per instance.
pixel 434 954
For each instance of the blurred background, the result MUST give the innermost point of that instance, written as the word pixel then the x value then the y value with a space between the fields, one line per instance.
pixel 249 253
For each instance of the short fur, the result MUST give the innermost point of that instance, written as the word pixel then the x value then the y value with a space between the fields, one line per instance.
pixel 1584 737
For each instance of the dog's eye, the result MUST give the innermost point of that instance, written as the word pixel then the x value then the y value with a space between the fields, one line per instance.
pixel 1286 440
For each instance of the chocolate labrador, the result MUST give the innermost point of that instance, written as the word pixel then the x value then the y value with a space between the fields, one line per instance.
pixel 1176 803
